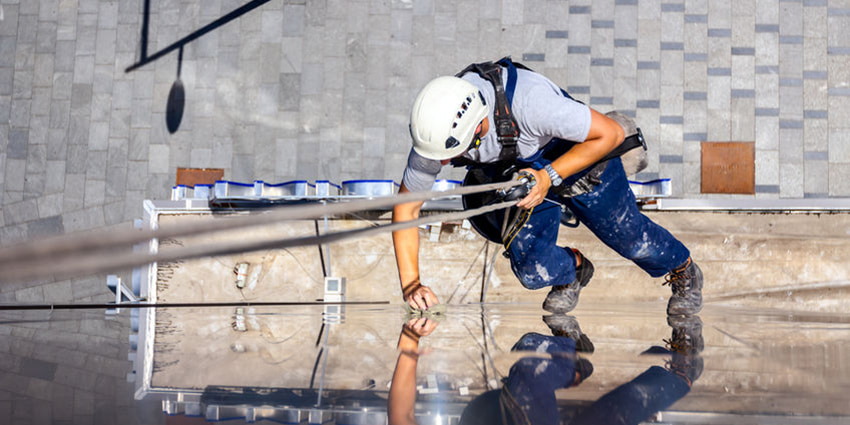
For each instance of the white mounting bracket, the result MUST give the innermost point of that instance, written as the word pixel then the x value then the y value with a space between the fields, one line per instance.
pixel 123 294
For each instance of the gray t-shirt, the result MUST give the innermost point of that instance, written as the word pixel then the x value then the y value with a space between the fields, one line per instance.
pixel 542 113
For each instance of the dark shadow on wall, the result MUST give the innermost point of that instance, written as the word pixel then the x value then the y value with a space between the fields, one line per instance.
pixel 176 100
pixel 146 16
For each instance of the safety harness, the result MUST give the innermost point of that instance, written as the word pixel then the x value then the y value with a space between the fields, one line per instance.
pixel 507 130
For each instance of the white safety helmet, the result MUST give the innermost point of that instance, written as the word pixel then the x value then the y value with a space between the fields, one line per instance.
pixel 444 117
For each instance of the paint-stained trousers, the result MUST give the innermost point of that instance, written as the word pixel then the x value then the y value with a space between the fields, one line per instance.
pixel 610 211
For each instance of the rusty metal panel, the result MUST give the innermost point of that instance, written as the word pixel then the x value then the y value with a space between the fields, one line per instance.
pixel 728 167
pixel 192 176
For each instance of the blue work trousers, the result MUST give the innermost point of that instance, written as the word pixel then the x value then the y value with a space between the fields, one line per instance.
pixel 610 211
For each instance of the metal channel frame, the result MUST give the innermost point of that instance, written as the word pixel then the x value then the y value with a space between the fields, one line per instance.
pixel 147 279
pixel 750 205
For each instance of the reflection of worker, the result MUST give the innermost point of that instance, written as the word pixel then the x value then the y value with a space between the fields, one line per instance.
pixel 560 143
pixel 658 387
pixel 528 394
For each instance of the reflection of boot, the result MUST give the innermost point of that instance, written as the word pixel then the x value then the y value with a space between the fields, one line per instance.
pixel 686 283
pixel 686 343
pixel 563 298
pixel 584 368
pixel 687 334
pixel 567 326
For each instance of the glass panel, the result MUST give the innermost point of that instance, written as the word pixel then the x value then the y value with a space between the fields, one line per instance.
pixel 354 363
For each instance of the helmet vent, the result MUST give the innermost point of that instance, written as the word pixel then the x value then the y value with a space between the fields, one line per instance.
pixel 464 107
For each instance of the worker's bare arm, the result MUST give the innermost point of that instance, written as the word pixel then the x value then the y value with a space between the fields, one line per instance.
pixel 406 244
pixel 604 136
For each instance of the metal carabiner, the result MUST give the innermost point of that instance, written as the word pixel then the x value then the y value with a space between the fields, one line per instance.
pixel 518 192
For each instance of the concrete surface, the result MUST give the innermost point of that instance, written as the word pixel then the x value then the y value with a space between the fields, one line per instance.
pixel 793 262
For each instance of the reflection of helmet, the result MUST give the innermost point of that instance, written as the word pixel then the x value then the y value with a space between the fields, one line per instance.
pixel 444 117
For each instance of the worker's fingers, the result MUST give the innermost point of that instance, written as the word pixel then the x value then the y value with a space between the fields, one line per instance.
pixel 416 323
pixel 422 298
pixel 429 297
pixel 534 198
pixel 538 191
pixel 422 326
pixel 414 302
pixel 531 200
pixel 429 327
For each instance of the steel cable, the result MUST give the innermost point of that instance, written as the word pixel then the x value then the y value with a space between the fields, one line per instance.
pixel 98 306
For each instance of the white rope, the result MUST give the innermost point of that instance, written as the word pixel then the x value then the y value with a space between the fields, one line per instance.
pixel 92 253
pixel 129 237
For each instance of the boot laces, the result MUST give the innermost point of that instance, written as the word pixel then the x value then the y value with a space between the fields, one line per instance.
pixel 679 345
pixel 679 280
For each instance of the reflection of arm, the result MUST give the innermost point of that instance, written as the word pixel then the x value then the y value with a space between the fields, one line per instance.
pixel 402 397
pixel 406 244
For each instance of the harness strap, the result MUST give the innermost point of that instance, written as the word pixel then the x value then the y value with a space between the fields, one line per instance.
pixel 507 129
pixel 510 87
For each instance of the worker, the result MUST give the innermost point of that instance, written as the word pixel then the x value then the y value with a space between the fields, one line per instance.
pixel 495 117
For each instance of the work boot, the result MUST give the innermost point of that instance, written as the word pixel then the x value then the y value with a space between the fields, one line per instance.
pixel 686 283
pixel 563 298
pixel 567 326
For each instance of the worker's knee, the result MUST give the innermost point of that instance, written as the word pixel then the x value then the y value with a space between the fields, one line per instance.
pixel 534 275
pixel 638 249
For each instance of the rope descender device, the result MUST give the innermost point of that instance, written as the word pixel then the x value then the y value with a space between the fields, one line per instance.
pixel 518 192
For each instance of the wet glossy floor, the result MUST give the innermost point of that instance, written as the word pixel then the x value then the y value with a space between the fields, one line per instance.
pixel 312 364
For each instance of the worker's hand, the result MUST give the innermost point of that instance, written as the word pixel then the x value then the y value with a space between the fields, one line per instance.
pixel 538 191
pixel 421 326
pixel 421 297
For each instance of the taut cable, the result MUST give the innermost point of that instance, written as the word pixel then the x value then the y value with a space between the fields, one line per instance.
pixel 51 247
pixel 83 254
